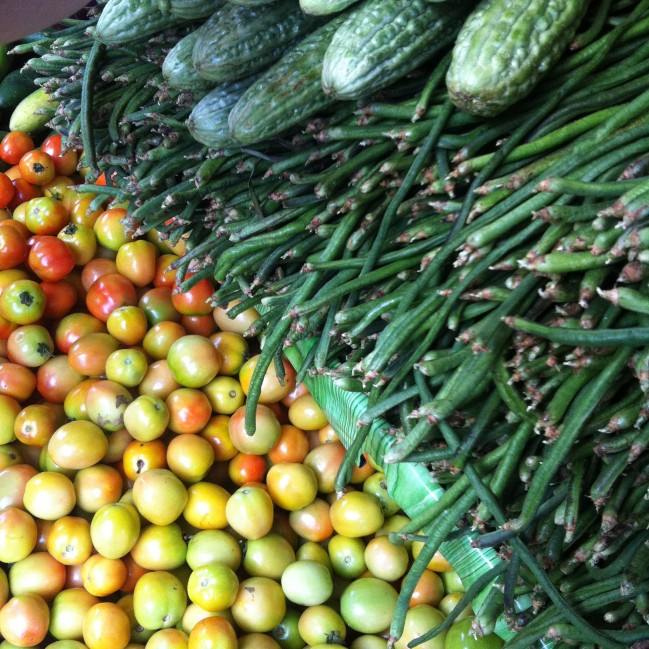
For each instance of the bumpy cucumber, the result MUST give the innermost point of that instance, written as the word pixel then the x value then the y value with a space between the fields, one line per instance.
pixel 125 21
pixel 386 39
pixel 177 68
pixel 504 48
pixel 253 3
pixel 324 7
pixel 237 41
pixel 194 9
pixel 287 93
pixel 208 121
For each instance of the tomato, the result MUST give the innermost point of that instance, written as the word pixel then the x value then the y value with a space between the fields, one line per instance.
pixel 437 564
pixel 60 299
pixel 23 192
pixel 45 215
pixel 306 414
pixel 115 529
pixel 193 361
pixel 156 303
pixel 268 556
pixel 9 411
pixel 16 381
pixel 65 160
pixel 190 457
pixel 127 324
pixel 225 394
pixel 56 378
pixel 79 208
pixel 233 351
pixel 22 302
pixel 88 354
pixel 67 611
pixel 325 461
pixel 81 241
pixel 158 380
pixel 96 486
pixel 356 513
pixel 35 424
pixel 202 325
pixel 205 508
pixel 257 641
pixel 168 639
pixel 74 326
pixel 377 486
pixel 146 418
pixel 291 486
pixel 14 145
pixel 69 540
pixel 450 601
pixel 292 446
pixel 429 590
pixel 17 534
pixel 322 625
pixel 103 576
pixel 136 260
pixel 159 338
pixel 10 456
pixel 312 522
pixel 347 556
pixel 367 605
pixel 127 367
pixel 189 410
pixel 106 626
pixel 207 546
pixel 38 573
pixel 386 560
pixel 266 433
pixel 155 486
pixel 213 633
pixel 419 620
pixel 74 404
pixel 50 258
pixel 249 512
pixel 213 586
pixel 77 444
pixel 37 167
pixel 240 324
pixel 307 583
pixel 245 467
pixel 57 187
pixel 24 620
pixel 49 495
pixel 159 600
pixel 30 345
pixel 194 301
pixel 13 244
pixel 217 434
pixel 272 389
pixel 12 484
pixel 109 292
pixel 111 230
pixel 95 269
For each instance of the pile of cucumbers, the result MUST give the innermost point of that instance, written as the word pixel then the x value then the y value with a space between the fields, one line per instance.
pixel 446 205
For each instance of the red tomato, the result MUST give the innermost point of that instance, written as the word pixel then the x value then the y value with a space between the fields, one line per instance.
pixel 65 162
pixel 23 192
pixel 50 258
pixel 6 190
pixel 94 269
pixel 14 145
pixel 13 245
pixel 37 167
pixel 195 301
pixel 74 326
pixel 108 293
pixel 60 298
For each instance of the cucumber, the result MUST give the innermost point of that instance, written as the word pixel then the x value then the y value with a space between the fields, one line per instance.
pixel 504 48
pixel 195 9
pixel 386 39
pixel 324 7
pixel 286 94
pixel 208 121
pixel 5 60
pixel 125 21
pixel 252 3
pixel 33 113
pixel 177 68
pixel 13 89
pixel 237 41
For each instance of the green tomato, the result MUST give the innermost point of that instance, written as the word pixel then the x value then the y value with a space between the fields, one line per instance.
pixel 367 605
pixel 459 637
pixel 207 546
pixel 419 620
pixel 159 600
pixel 452 582
pixel 286 633
pixel 307 583
pixel 347 556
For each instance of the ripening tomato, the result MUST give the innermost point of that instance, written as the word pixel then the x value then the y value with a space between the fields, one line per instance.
pixel 65 160
pixel 24 620
pixel 189 410
pixel 16 381
pixel 77 445
pixel 6 191
pixel 168 639
pixel 49 495
pixel 81 241
pixel 246 467
pixel 30 345
pixel 190 457
pixel 158 380
pixel 272 388
pixel 102 576
pixel 14 145
pixel 111 229
pixel 194 301
pixel 108 293
pixel 67 611
pixel 13 479
pixel 193 361
pixel 9 411
pixel 88 354
pixel 249 511
pixel 106 626
pixel 217 434
pixel 56 378
pixel 45 215
pixel 128 324
pixel 156 303
pixel 213 586
pixel 79 206
pixel 35 424
pixel 159 600
pixel 136 261
pixel 291 485
pixel 13 247
pixel 22 302
pixel 260 605
pixel 165 274
pixel 213 632
pixel 305 413
pixel 160 547
pixel 205 508
pixel 155 486
pixel 265 435
pixel 37 167
pixel 127 366
pixel 313 521
pixel 96 486
pixel 146 418
pixel 233 350
pixel 69 540
pixel 23 192
pixel 96 268
pixel 201 325
pixel 115 529
pixel 159 338
pixel 75 326
pixel 225 394
pixel 292 446
pixel 325 461
pixel 356 513
pixel 240 324
pixel 18 534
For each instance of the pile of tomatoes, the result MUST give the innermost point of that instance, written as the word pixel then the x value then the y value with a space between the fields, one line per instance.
pixel 134 509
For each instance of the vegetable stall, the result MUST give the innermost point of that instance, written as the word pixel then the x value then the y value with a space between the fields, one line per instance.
pixel 429 215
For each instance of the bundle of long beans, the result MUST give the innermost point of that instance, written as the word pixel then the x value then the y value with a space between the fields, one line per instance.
pixel 483 281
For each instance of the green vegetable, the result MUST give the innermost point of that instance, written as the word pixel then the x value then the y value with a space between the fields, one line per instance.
pixel 237 41
pixel 13 89
pixel 383 40
pixel 125 21
pixel 208 121
pixel 287 94
pixel 178 70
pixel 324 7
pixel 5 60
pixel 33 113
pixel 194 9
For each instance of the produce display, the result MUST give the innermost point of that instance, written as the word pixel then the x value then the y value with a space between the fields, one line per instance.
pixel 437 207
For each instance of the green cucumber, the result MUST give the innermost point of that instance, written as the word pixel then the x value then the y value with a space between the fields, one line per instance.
pixel 208 121
pixel 5 60
pixel 13 89
pixel 384 40
pixel 177 68
pixel 33 113
pixel 194 9
pixel 238 41
pixel 504 48
pixel 287 93
pixel 252 3
pixel 324 7
pixel 124 21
